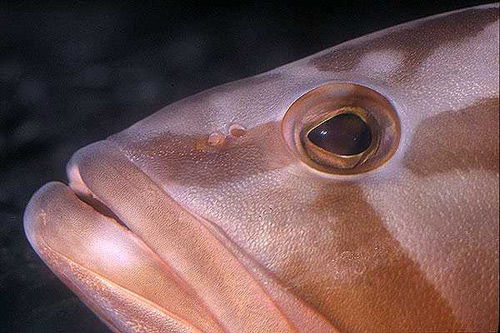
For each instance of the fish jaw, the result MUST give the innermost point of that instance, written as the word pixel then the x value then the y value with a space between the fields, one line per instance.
pixel 254 240
pixel 152 266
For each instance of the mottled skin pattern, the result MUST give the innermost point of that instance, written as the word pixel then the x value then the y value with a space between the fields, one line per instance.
pixel 180 236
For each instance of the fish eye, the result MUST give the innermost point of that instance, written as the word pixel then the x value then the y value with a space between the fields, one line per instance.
pixel 343 134
pixel 344 138
pixel 342 128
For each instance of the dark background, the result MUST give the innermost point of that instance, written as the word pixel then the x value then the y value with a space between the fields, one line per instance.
pixel 73 74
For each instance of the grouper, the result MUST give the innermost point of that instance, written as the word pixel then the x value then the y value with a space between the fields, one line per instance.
pixel 355 190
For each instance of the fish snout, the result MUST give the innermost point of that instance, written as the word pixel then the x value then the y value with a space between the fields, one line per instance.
pixel 108 266
pixel 140 260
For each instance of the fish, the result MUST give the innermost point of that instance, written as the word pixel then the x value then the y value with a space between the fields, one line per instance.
pixel 355 190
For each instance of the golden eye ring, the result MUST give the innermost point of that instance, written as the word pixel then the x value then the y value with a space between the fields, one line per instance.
pixel 372 114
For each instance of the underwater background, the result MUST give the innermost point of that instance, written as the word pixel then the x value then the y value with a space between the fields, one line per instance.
pixel 73 73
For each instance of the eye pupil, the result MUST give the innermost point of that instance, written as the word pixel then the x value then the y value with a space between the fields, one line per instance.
pixel 345 134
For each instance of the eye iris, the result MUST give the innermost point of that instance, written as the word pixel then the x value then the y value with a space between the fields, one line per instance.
pixel 344 134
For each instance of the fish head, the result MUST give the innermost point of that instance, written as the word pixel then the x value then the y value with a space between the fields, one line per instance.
pixel 233 209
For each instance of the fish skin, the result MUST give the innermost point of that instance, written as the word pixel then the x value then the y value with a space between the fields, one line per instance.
pixel 160 232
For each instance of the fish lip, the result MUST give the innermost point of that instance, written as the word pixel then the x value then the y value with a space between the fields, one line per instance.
pixel 78 186
pixel 100 207
pixel 42 211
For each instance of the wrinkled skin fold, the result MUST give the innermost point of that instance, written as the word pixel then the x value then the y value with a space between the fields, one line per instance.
pixel 159 232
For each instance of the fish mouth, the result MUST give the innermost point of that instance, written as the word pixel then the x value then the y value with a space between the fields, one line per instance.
pixel 81 233
pixel 139 259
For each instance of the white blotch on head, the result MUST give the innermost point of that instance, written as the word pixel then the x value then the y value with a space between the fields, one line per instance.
pixel 383 62
pixel 457 75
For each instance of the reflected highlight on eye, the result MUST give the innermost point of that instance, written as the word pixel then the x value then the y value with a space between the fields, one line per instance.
pixel 343 139
pixel 344 134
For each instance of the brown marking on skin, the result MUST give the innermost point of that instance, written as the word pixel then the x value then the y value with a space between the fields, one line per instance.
pixel 190 155
pixel 365 260
pixel 457 140
pixel 370 258
pixel 260 152
pixel 364 256
pixel 321 238
pixel 416 42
